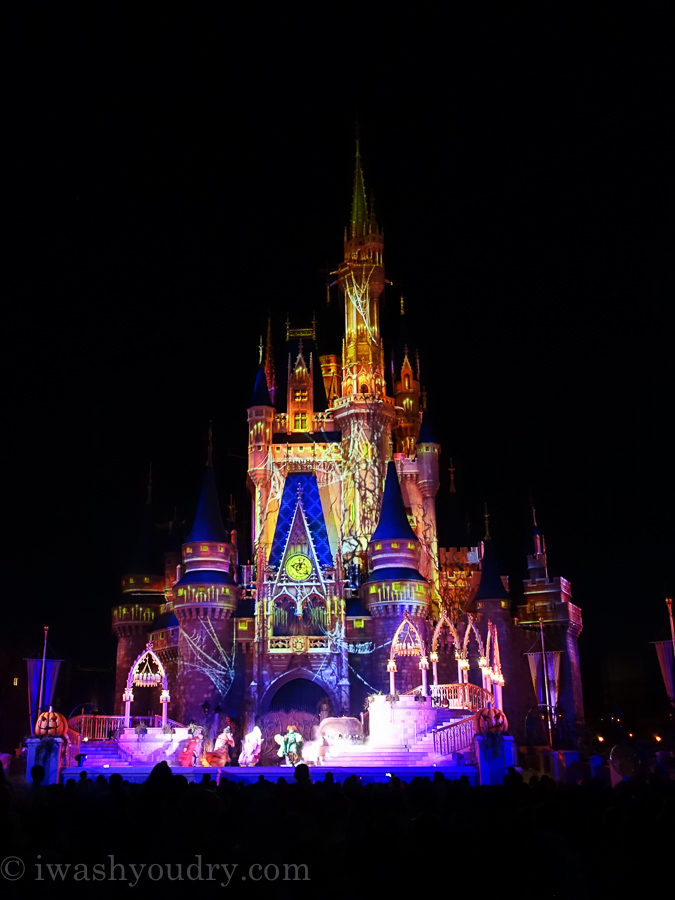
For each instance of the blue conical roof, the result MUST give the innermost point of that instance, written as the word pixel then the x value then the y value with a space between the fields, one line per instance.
pixel 426 430
pixel 393 517
pixel 208 522
pixel 261 394
pixel 491 586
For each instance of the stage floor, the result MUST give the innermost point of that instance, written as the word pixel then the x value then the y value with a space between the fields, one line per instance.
pixel 365 774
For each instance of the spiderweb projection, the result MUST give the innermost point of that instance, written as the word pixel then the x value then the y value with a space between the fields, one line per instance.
pixel 362 481
pixel 205 653
pixel 358 294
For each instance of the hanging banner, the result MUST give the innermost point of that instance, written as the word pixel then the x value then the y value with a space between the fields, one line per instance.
pixel 552 672
pixel 664 652
pixel 34 667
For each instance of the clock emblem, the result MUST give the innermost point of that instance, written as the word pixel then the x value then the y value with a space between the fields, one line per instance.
pixel 299 567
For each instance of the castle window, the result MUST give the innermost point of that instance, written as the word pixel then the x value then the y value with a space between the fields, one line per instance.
pixel 146 579
pixel 300 421
pixel 364 388
pixel 378 546
pixel 181 591
pixel 411 546
pixel 15 681
pixel 504 604
pixel 204 547
pixel 359 623
pixel 407 382
pixel 131 581
pixel 188 549
pixel 242 626
pixel 394 545
pixel 300 395
pixel 221 549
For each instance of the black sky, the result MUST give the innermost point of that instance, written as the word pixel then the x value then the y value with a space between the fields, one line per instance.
pixel 172 177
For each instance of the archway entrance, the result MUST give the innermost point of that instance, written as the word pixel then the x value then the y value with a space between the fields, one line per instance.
pixel 300 702
pixel 300 694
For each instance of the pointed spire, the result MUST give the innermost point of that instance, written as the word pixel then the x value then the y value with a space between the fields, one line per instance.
pixel 393 521
pixel 491 586
pixel 208 521
pixel 359 218
pixel 269 361
pixel 486 519
pixel 261 394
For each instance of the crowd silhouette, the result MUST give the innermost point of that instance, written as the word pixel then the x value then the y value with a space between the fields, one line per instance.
pixel 531 839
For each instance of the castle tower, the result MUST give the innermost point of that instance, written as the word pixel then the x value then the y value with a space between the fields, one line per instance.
pixel 260 435
pixel 395 585
pixel 364 412
pixel 548 604
pixel 142 595
pixel 428 451
pixel 205 599
pixel 407 399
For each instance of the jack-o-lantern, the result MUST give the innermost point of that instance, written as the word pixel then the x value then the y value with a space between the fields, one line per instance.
pixel 491 721
pixel 50 724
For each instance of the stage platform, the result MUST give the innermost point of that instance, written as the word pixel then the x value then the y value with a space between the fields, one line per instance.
pixel 365 774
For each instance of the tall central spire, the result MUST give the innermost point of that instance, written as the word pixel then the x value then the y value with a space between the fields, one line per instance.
pixel 359 220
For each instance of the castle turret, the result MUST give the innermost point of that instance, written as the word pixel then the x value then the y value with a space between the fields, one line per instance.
pixel 260 436
pixel 548 606
pixel 407 399
pixel 428 451
pixel 205 599
pixel 394 585
pixel 143 585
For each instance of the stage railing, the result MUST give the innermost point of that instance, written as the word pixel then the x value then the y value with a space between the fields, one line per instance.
pixel 106 728
pixel 455 737
pixel 458 696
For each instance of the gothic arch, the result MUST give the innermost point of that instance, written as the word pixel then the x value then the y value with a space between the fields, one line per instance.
pixel 413 639
pixel 444 620
pixel 471 627
pixel 299 673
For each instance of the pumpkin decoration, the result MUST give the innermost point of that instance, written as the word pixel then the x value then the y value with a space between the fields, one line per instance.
pixel 51 724
pixel 491 721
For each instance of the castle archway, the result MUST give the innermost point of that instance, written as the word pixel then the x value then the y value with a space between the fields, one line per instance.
pixel 297 689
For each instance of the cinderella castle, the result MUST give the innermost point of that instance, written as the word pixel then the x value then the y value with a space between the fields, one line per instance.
pixel 348 591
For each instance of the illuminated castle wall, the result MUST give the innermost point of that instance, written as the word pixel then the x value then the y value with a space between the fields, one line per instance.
pixel 343 473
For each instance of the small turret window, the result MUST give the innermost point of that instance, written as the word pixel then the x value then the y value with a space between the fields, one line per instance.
pixel 300 395
pixel 394 545
pixel 411 546
pixel 188 549
pixel 131 581
pixel 146 579
pixel 359 623
pixel 378 546
pixel 406 382
pixel 204 548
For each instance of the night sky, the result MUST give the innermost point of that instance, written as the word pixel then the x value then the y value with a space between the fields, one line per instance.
pixel 169 180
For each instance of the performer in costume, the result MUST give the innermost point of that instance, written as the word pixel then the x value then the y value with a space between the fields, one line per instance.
pixel 250 748
pixel 290 745
pixel 220 755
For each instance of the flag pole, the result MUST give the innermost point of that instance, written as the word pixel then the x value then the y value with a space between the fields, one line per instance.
pixel 669 604
pixel 42 670
pixel 548 696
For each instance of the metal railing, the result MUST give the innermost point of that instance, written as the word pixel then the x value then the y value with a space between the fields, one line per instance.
pixel 457 696
pixel 455 737
pixel 106 728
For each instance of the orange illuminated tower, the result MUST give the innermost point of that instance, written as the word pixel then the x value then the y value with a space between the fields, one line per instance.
pixel 364 413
